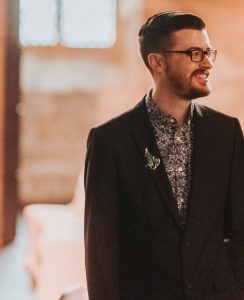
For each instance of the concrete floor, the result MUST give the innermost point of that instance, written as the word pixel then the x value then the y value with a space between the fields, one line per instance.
pixel 15 283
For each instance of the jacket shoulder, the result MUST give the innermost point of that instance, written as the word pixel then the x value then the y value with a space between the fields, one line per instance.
pixel 208 112
pixel 119 123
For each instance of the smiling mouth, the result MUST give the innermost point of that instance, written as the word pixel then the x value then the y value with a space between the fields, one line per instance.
pixel 204 75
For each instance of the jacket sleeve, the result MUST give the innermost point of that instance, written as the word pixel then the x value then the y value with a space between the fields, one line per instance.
pixel 234 215
pixel 101 219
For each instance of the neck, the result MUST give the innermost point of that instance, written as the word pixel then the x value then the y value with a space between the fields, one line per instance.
pixel 172 105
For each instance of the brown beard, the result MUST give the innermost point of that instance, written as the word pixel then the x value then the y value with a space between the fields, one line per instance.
pixel 181 89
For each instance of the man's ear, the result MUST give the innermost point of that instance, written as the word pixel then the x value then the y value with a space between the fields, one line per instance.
pixel 156 62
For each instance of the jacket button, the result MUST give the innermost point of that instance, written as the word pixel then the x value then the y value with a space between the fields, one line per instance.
pixel 188 243
pixel 188 285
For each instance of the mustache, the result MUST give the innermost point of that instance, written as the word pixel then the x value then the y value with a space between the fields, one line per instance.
pixel 200 72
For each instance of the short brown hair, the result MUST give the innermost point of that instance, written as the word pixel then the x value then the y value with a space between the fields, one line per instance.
pixel 155 32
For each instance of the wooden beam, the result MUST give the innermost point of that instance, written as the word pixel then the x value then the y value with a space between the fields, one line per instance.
pixel 9 98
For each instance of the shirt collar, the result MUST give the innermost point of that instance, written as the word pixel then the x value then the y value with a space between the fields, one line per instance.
pixel 158 115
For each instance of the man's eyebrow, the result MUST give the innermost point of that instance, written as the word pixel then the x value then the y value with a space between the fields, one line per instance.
pixel 198 48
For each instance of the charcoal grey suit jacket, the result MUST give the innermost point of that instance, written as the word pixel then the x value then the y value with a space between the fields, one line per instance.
pixel 135 246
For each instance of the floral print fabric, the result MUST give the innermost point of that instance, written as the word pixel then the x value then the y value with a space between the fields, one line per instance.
pixel 175 145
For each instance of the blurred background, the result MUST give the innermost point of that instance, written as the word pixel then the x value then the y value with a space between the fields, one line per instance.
pixel 66 66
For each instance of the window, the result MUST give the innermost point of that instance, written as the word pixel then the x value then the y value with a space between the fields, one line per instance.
pixel 72 23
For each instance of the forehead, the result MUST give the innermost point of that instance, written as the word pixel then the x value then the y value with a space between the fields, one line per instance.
pixel 190 38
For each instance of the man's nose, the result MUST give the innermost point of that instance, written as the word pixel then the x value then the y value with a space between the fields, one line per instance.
pixel 206 63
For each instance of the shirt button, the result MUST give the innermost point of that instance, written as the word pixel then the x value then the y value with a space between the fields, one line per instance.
pixel 180 169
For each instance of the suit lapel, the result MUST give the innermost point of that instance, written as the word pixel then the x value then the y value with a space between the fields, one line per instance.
pixel 144 138
pixel 201 148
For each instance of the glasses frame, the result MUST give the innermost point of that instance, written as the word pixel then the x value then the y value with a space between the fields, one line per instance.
pixel 210 53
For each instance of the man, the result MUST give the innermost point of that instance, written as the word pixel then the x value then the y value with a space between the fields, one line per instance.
pixel 164 217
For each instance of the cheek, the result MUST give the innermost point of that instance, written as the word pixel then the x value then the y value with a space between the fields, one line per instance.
pixel 181 70
pixel 191 73
pixel 187 75
pixel 184 70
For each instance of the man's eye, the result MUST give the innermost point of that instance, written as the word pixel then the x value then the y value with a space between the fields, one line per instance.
pixel 196 52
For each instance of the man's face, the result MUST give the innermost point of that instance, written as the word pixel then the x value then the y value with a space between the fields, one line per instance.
pixel 188 79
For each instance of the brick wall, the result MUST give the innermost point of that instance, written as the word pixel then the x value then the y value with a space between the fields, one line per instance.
pixel 67 91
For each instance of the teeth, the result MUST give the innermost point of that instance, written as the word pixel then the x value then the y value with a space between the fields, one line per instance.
pixel 203 76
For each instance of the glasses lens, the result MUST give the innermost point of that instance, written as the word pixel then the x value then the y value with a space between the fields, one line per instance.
pixel 212 55
pixel 197 55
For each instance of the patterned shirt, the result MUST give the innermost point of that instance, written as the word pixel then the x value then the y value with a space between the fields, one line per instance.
pixel 175 145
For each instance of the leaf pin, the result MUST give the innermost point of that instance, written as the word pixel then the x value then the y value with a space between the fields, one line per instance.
pixel 152 161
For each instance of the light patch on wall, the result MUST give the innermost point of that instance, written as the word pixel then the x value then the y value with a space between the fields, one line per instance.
pixel 91 24
pixel 65 75
pixel 129 8
pixel 38 22
pixel 72 23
